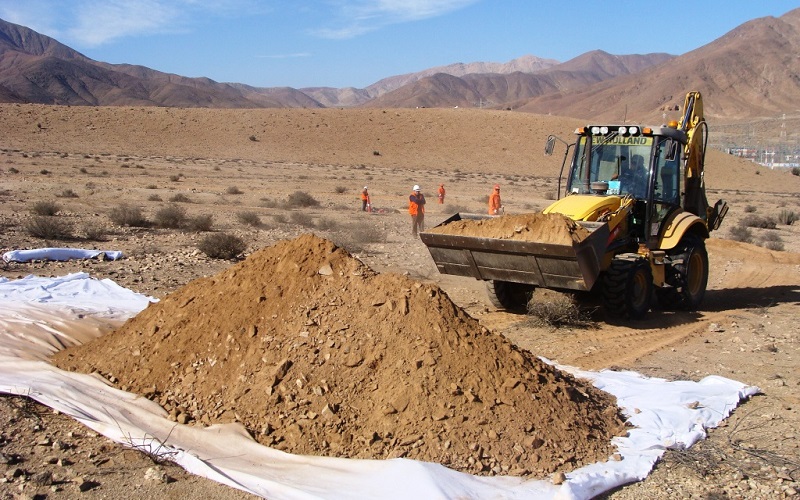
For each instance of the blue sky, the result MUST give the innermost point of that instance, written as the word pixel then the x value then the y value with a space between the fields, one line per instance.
pixel 353 43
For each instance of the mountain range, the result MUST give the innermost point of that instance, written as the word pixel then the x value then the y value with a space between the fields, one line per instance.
pixel 752 71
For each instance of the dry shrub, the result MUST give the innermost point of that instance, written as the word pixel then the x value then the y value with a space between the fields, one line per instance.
pixel 340 189
pixel 555 309
pixel 741 233
pixel 154 197
pixel 280 219
pixel 68 193
pixel 222 246
pixel 269 203
pixel 48 208
pixel 170 217
pixel 128 215
pixel 180 198
pixel 787 217
pixel 326 224
pixel 550 195
pixel 95 232
pixel 771 241
pixel 301 199
pixel 200 223
pixel 249 218
pixel 355 238
pixel 234 190
pixel 49 228
pixel 759 221
pixel 302 219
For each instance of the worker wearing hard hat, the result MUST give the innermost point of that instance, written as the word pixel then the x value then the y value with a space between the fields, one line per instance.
pixel 441 194
pixel 366 205
pixel 416 207
pixel 495 205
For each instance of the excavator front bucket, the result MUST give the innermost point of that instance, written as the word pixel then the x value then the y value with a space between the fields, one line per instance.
pixel 547 265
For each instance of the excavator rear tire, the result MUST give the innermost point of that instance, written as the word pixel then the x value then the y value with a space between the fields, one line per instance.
pixel 513 297
pixel 691 277
pixel 627 287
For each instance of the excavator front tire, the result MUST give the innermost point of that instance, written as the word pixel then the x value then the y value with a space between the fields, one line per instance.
pixel 627 287
pixel 690 276
pixel 512 297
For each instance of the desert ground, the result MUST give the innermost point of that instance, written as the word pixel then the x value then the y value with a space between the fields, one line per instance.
pixel 238 169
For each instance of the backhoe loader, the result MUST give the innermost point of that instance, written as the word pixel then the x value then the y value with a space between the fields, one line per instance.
pixel 646 229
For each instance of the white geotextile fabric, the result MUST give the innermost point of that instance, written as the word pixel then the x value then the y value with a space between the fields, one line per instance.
pixel 38 316
pixel 59 254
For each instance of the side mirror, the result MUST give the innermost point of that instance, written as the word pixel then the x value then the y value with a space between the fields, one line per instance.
pixel 550 146
pixel 672 150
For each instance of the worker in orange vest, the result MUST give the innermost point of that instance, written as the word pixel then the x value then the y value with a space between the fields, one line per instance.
pixel 416 207
pixel 366 206
pixel 441 194
pixel 495 205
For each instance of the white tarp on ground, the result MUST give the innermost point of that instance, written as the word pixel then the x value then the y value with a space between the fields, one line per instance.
pixel 39 316
pixel 60 254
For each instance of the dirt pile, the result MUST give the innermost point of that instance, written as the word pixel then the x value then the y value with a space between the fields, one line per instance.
pixel 315 353
pixel 551 228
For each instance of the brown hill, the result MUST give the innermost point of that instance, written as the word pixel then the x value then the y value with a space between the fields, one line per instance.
pixel 749 72
pixel 505 90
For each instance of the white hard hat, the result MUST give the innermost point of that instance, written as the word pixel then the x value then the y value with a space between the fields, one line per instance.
pixel 415 188
pixel 365 187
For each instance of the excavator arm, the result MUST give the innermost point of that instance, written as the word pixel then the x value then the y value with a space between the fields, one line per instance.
pixel 696 129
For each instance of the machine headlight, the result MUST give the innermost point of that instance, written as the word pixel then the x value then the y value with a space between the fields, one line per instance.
pixel 595 130
pixel 633 130
pixel 622 130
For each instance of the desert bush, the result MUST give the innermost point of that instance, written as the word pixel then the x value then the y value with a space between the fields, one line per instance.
pixel 253 138
pixel 222 246
pixel 355 238
pixel 13 170
pixel 550 195
pixel 154 197
pixel 280 219
pixel 741 233
pixel 749 209
pixel 301 199
pixel 325 224
pixel 771 240
pixel 249 218
pixel 340 189
pixel 555 309
pixel 795 170
pixel 68 193
pixel 95 232
pixel 234 190
pixel 49 228
pixel 200 223
pixel 44 171
pixel 180 198
pixel 174 178
pixel 759 221
pixel 48 208
pixel 302 219
pixel 269 203
pixel 170 217
pixel 128 215
pixel 787 217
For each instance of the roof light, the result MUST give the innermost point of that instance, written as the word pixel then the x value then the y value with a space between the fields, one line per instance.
pixel 633 130
pixel 595 130
pixel 622 130
pixel 604 130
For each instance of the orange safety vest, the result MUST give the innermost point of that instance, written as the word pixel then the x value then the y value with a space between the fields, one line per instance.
pixel 365 196
pixel 416 207
pixel 494 203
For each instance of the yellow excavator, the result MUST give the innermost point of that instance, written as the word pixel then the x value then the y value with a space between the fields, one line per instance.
pixel 640 193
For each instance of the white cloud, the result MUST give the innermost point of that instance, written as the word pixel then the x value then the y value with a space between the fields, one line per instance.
pixel 98 22
pixel 91 23
pixel 356 17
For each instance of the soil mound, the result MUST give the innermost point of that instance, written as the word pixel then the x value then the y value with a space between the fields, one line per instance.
pixel 315 353
pixel 550 228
